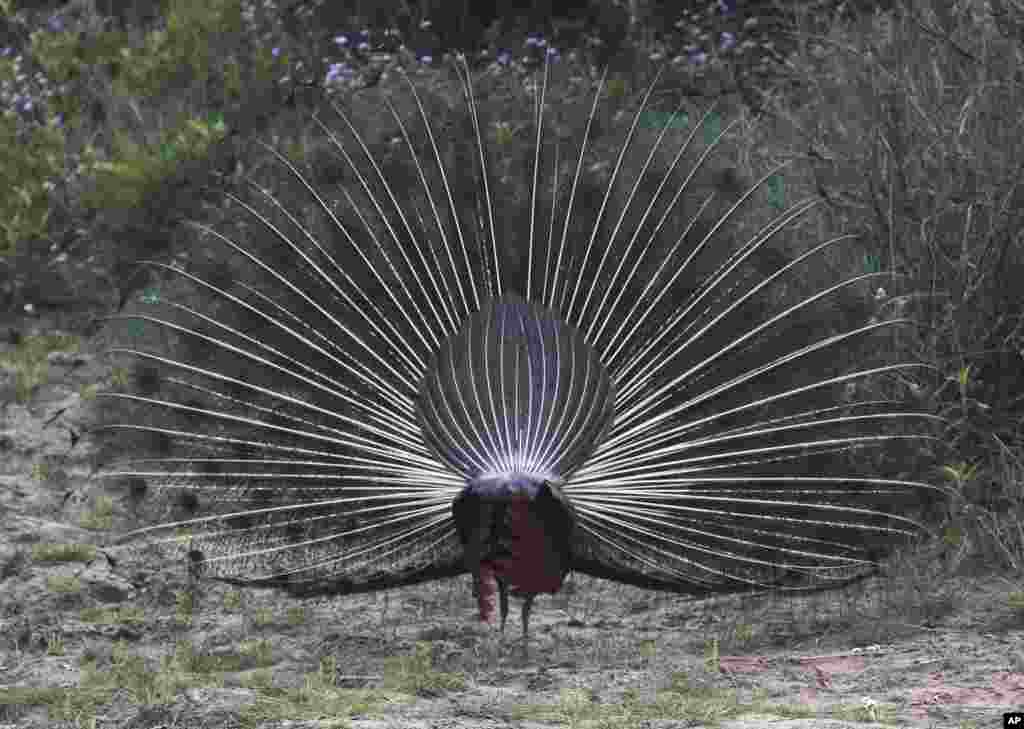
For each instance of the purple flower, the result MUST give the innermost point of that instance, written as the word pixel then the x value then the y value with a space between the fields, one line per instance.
pixel 357 40
pixel 697 58
pixel 337 71
pixel 275 52
pixel 55 23
pixel 6 52
pixel 553 54
pixel 728 40
pixel 536 41
pixel 727 7
pixel 426 59
pixel 504 58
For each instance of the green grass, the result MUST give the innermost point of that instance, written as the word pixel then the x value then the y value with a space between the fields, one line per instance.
pixel 63 552
pixel 29 360
pixel 706 706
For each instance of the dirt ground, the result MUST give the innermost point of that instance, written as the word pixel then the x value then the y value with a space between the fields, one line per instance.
pixel 90 639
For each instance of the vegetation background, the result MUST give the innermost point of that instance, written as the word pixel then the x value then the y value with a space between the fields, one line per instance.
pixel 120 120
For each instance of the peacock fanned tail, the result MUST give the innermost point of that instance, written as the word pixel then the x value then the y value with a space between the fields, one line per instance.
pixel 415 372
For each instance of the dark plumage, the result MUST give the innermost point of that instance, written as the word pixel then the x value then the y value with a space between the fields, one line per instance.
pixel 389 386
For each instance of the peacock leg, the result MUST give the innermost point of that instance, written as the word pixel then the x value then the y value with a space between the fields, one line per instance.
pixel 527 605
pixel 503 596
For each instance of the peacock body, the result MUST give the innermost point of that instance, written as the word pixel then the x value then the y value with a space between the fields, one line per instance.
pixel 377 388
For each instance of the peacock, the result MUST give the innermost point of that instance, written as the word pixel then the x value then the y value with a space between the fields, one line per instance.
pixel 415 374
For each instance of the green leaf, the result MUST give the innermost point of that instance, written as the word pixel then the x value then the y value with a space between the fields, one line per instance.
pixel 776 192
pixel 712 128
